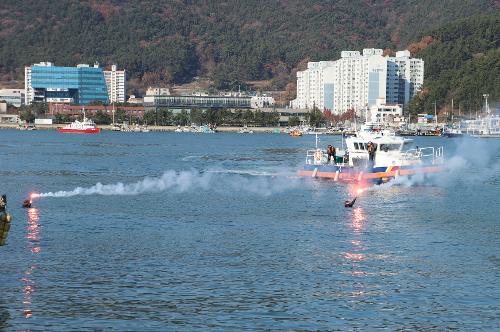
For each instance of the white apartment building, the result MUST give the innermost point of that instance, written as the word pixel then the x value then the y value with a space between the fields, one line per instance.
pixel 116 84
pixel 357 80
pixel 314 86
pixel 28 90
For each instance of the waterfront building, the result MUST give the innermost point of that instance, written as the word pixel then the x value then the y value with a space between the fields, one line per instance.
pixel 385 114
pixel 203 102
pixel 135 100
pixel 157 91
pixel 357 80
pixel 63 108
pixel 116 84
pixel 14 97
pixel 261 102
pixel 315 86
pixel 405 77
pixel 81 85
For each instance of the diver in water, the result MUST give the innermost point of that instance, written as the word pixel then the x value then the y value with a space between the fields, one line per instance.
pixel 3 203
pixel 350 203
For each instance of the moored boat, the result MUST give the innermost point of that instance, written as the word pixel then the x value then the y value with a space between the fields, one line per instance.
pixel 451 132
pixel 245 130
pixel 388 159
pixel 87 126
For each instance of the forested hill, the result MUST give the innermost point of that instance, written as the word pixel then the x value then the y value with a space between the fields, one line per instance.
pixel 462 62
pixel 229 41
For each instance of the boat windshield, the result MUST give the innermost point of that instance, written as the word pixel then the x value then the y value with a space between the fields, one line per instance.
pixel 390 147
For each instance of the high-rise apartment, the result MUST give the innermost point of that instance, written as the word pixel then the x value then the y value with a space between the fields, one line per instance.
pixel 357 80
pixel 116 84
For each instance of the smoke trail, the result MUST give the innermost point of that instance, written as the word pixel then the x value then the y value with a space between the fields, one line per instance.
pixel 473 163
pixel 179 182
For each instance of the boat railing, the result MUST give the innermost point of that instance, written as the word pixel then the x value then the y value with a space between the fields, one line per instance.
pixel 430 154
pixel 313 158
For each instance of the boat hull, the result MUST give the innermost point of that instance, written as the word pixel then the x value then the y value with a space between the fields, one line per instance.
pixel 80 131
pixel 354 174
pixel 452 135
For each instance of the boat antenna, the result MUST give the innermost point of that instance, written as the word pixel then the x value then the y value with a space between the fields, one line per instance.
pixel 342 138
pixel 317 140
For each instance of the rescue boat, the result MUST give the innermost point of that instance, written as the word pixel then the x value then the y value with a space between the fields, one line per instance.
pixel 87 126
pixel 353 164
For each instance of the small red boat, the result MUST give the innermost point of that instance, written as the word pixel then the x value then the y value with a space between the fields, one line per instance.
pixel 87 126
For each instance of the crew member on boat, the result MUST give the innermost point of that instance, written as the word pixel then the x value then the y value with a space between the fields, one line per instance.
pixel 371 153
pixel 331 153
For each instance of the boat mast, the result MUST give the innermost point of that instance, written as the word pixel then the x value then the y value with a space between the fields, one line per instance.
pixel 487 109
pixel 435 112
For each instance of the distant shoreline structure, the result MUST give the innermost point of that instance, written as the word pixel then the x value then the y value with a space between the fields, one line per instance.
pixel 154 128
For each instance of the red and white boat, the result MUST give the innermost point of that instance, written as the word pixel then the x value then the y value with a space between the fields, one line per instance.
pixel 87 126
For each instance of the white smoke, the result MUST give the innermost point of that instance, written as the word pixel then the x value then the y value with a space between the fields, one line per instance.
pixel 179 182
pixel 473 162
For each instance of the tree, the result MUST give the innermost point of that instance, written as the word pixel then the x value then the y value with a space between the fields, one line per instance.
pixel 293 121
pixel 120 116
pixel 102 118
pixel 213 116
pixel 248 117
pixel 164 116
pixel 315 117
pixel 196 116
pixel 182 118
pixel 149 117
pixel 26 114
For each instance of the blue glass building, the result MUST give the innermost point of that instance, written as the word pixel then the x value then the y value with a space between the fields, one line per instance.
pixel 79 85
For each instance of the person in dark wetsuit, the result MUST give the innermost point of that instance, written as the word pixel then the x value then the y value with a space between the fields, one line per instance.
pixel 3 203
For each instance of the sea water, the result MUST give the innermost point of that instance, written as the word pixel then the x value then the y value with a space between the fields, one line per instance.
pixel 180 231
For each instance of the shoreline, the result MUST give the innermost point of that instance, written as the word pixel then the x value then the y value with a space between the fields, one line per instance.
pixel 153 128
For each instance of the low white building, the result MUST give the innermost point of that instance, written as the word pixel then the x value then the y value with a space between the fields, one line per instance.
pixel 261 102
pixel 156 91
pixel 136 100
pixel 386 114
pixel 14 97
